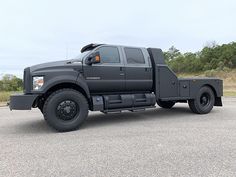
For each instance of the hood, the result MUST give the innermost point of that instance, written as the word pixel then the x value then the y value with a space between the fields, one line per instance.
pixel 64 64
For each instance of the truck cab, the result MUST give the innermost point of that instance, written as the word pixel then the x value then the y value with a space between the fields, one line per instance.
pixel 110 78
pixel 120 69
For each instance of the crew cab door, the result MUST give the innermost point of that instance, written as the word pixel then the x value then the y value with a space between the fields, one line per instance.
pixel 138 75
pixel 108 75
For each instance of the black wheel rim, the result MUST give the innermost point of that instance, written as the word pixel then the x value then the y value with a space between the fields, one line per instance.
pixel 67 110
pixel 205 99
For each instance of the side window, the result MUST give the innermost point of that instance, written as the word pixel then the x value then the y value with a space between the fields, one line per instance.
pixel 109 54
pixel 134 56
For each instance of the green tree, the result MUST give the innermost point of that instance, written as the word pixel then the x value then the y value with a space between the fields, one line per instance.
pixel 211 57
pixel 11 83
pixel 172 53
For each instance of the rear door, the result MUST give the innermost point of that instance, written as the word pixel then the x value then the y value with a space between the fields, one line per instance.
pixel 107 76
pixel 138 69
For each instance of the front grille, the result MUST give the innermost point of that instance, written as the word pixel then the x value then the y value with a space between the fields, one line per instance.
pixel 27 80
pixel 24 79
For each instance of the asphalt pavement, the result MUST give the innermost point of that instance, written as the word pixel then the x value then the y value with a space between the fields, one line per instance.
pixel 156 142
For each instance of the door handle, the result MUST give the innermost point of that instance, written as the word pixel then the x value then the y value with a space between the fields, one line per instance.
pixel 122 74
pixel 121 68
pixel 147 69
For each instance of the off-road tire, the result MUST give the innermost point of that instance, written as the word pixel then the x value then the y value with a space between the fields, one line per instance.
pixel 204 101
pixel 62 104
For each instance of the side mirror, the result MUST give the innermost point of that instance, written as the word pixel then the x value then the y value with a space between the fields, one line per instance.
pixel 93 58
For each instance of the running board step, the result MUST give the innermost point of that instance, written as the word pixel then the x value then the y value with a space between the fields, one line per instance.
pixel 134 109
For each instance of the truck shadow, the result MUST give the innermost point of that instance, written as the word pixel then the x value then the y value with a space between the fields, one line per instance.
pixel 36 126
pixel 96 120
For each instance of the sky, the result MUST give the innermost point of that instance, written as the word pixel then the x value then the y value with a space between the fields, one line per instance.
pixel 33 32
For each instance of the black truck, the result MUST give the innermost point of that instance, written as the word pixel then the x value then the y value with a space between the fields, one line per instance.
pixel 110 78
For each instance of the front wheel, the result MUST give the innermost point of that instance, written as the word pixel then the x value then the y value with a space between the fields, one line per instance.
pixel 65 109
pixel 204 101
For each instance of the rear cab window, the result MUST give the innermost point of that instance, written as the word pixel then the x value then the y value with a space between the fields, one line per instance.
pixel 134 55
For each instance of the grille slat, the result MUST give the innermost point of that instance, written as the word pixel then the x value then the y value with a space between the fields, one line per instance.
pixel 27 80
pixel 24 79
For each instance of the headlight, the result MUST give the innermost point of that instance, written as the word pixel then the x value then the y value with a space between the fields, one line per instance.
pixel 38 82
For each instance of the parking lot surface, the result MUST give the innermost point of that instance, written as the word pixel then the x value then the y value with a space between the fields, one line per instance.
pixel 156 142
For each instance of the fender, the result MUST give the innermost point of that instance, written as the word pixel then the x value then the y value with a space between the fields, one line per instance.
pixel 215 84
pixel 60 79
pixel 82 83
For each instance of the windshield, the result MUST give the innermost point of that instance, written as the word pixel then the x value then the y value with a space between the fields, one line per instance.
pixel 82 55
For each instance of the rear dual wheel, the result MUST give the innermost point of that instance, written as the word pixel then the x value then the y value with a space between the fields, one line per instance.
pixel 204 101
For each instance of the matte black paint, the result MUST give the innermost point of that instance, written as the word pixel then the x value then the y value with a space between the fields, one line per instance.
pixel 111 86
pixel 22 102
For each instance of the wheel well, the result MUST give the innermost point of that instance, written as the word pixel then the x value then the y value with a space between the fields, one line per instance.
pixel 42 98
pixel 212 88
pixel 218 101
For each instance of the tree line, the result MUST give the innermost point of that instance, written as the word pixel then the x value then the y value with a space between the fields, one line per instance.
pixel 11 83
pixel 211 57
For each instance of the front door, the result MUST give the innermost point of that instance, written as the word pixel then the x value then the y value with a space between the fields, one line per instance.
pixel 107 76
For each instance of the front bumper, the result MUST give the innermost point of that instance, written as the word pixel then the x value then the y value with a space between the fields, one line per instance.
pixel 22 102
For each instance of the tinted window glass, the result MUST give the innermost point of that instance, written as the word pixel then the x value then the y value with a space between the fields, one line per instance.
pixel 109 55
pixel 134 56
